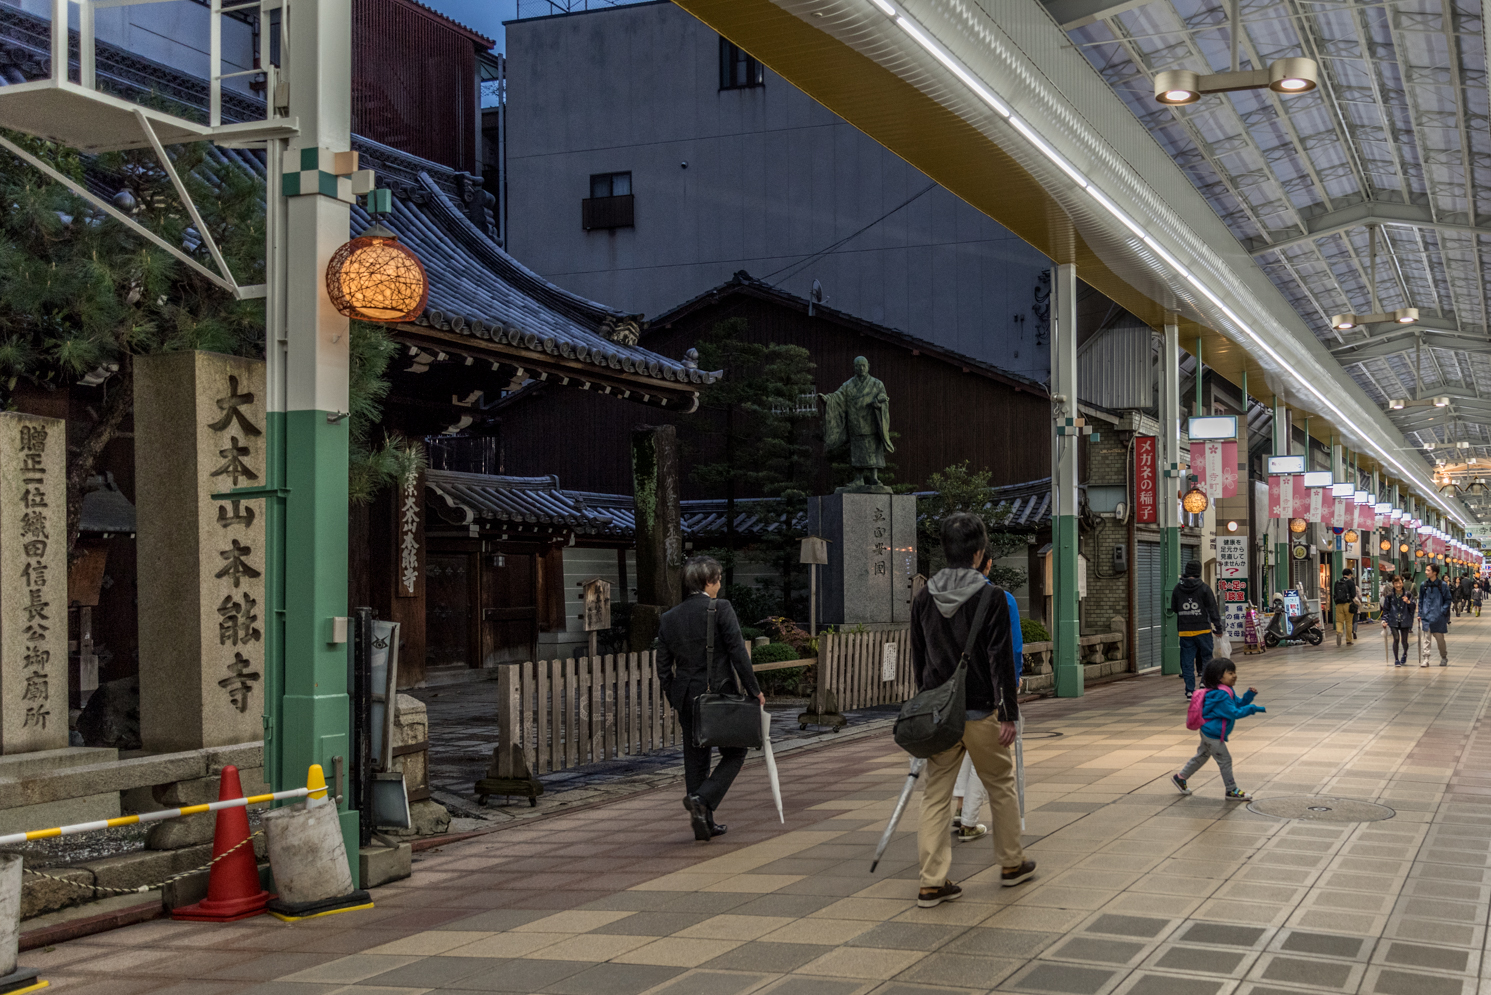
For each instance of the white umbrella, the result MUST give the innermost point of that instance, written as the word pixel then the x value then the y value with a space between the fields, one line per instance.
pixel 917 765
pixel 1020 767
pixel 771 763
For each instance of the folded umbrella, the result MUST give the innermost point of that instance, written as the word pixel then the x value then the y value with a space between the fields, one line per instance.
pixel 771 763
pixel 917 765
pixel 1020 767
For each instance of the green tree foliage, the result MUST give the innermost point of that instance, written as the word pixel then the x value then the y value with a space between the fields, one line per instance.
pixel 81 294
pixel 958 488
pixel 750 438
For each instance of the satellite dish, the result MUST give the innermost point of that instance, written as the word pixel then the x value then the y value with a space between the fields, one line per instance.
pixel 817 292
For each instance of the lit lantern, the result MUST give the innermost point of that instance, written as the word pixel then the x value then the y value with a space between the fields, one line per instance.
pixel 1385 546
pixel 1195 501
pixel 1418 553
pixel 1402 547
pixel 1297 526
pixel 1231 526
pixel 375 278
pixel 1350 535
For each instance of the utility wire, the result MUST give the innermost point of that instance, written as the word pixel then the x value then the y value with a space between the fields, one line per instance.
pixel 797 267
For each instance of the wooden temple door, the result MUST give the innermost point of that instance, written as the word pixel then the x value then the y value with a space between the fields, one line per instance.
pixel 450 600
pixel 509 608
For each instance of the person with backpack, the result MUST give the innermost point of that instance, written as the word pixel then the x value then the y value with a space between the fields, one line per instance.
pixel 1434 611
pixel 1397 618
pixel 959 615
pixel 1463 593
pixel 1197 617
pixel 1213 713
pixel 1344 597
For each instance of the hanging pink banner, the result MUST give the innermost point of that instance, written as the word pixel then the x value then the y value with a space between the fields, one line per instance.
pixel 1217 470
pixel 1281 497
pixel 1338 514
pixel 1317 505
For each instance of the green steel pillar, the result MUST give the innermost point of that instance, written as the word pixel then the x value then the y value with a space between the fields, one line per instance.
pixel 1339 474
pixel 1281 547
pixel 307 716
pixel 1067 630
pixel 1370 542
pixel 1169 495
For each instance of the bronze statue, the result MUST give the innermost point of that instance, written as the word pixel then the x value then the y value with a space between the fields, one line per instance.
pixel 859 413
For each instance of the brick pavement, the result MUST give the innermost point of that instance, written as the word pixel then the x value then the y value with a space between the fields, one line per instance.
pixel 1141 891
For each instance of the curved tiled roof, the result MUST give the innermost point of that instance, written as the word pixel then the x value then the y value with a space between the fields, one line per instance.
pixel 478 290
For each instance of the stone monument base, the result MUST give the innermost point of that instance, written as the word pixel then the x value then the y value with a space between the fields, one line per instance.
pixel 37 768
pixel 871 556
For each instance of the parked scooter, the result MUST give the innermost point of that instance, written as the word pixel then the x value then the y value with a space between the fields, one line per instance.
pixel 1292 629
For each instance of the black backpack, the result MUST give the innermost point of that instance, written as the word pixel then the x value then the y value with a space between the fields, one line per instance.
pixel 1343 591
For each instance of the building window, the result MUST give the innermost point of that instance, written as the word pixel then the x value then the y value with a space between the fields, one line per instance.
pixel 737 69
pixel 610 202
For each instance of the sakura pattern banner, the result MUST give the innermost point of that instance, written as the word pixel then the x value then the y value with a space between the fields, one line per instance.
pixel 1218 470
pixel 1317 504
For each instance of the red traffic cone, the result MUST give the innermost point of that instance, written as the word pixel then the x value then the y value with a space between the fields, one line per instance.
pixel 233 890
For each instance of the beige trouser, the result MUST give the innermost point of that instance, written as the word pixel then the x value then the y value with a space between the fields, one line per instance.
pixel 995 766
pixel 1344 622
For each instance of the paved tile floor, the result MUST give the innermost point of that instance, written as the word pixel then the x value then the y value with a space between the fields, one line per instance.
pixel 1141 891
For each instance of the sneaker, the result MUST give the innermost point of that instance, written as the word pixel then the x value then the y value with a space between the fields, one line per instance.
pixel 1444 661
pixel 1180 784
pixel 930 898
pixel 1010 878
pixel 967 834
pixel 1237 795
pixel 1187 694
pixel 957 823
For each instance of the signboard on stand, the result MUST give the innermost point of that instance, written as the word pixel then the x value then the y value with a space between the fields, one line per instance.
pixel 1232 583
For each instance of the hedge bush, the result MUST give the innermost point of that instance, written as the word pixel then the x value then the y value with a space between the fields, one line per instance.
pixel 1032 631
pixel 773 653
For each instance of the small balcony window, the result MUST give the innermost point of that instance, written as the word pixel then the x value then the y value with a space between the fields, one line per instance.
pixel 610 202
pixel 738 71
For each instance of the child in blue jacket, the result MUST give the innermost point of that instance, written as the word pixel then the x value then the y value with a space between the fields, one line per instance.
pixel 1220 710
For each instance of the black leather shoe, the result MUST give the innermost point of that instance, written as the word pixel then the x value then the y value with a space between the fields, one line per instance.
pixel 698 815
pixel 718 829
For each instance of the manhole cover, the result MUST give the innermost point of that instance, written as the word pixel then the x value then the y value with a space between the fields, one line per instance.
pixel 1321 808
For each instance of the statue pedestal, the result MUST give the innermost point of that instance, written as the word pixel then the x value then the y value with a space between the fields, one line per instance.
pixel 871 557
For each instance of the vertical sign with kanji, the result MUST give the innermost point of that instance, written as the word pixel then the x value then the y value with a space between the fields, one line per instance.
pixel 200 431
pixel 408 554
pixel 1144 479
pixel 33 583
pixel 1232 583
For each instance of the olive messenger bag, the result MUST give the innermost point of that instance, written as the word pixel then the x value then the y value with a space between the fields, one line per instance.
pixel 724 720
pixel 932 721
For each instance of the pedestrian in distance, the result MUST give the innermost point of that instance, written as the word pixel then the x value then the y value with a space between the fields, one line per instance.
pixel 684 673
pixel 1344 596
pixel 1434 612
pixel 1397 618
pixel 1464 592
pixel 1197 618
pixel 1477 594
pixel 942 617
pixel 1213 716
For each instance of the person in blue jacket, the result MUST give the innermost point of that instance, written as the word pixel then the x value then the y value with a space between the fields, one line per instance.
pixel 1220 710
pixel 1434 611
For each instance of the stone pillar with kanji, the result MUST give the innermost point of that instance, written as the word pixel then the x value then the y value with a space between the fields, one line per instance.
pixel 200 431
pixel 33 583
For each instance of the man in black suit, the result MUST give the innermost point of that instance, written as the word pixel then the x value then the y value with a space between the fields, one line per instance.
pixel 682 636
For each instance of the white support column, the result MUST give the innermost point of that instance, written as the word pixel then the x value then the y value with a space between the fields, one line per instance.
pixel 1066 630
pixel 1169 506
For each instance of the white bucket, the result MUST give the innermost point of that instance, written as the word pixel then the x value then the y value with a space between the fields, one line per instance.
pixel 10 912
pixel 307 854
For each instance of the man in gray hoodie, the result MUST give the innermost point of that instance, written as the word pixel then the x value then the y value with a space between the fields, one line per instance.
pixel 942 616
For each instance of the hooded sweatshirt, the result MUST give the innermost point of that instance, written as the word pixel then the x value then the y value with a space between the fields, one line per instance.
pixel 941 616
pixel 1195 606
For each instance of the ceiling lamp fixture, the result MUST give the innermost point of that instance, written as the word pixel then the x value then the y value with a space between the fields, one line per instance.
pixel 1403 316
pixel 1287 76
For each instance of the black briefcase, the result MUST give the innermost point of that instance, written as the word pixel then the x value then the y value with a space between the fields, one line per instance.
pixel 724 720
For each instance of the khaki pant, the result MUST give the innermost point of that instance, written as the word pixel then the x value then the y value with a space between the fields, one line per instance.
pixel 1345 622
pixel 995 766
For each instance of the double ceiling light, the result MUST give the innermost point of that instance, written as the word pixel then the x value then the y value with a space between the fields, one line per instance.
pixel 1182 86
pixel 1403 316
pixel 1399 403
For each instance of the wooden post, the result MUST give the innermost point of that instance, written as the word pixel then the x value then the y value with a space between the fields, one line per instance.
pixel 508 773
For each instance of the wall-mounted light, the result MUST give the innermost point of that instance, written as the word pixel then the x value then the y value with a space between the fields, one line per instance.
pixel 1350 535
pixel 1195 501
pixel 1385 546
pixel 1297 525
pixel 1231 526
pixel 1286 76
pixel 1402 547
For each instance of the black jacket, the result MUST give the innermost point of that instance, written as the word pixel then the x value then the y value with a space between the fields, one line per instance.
pixel 937 644
pixel 1195 605
pixel 680 651
pixel 1398 610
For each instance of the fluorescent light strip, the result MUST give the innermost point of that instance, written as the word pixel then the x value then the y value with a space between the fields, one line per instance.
pixel 1041 145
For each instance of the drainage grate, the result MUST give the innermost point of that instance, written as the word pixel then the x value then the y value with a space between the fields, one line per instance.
pixel 1321 808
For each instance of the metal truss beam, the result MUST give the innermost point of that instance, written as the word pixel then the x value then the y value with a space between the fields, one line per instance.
pixel 1361 215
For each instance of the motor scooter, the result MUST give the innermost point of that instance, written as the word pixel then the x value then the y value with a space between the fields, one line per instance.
pixel 1292 629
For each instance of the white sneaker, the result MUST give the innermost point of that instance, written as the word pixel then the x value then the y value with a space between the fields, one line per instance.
pixel 967 834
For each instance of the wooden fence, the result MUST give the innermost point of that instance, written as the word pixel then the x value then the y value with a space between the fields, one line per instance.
pixel 866 668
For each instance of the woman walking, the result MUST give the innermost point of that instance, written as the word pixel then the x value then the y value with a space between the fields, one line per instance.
pixel 683 636
pixel 1397 618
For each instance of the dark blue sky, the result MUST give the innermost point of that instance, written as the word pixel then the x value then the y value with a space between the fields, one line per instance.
pixel 485 16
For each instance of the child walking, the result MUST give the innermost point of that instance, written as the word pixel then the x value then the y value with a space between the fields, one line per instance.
pixel 1214 717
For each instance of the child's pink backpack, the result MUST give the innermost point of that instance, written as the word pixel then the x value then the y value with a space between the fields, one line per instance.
pixel 1194 717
